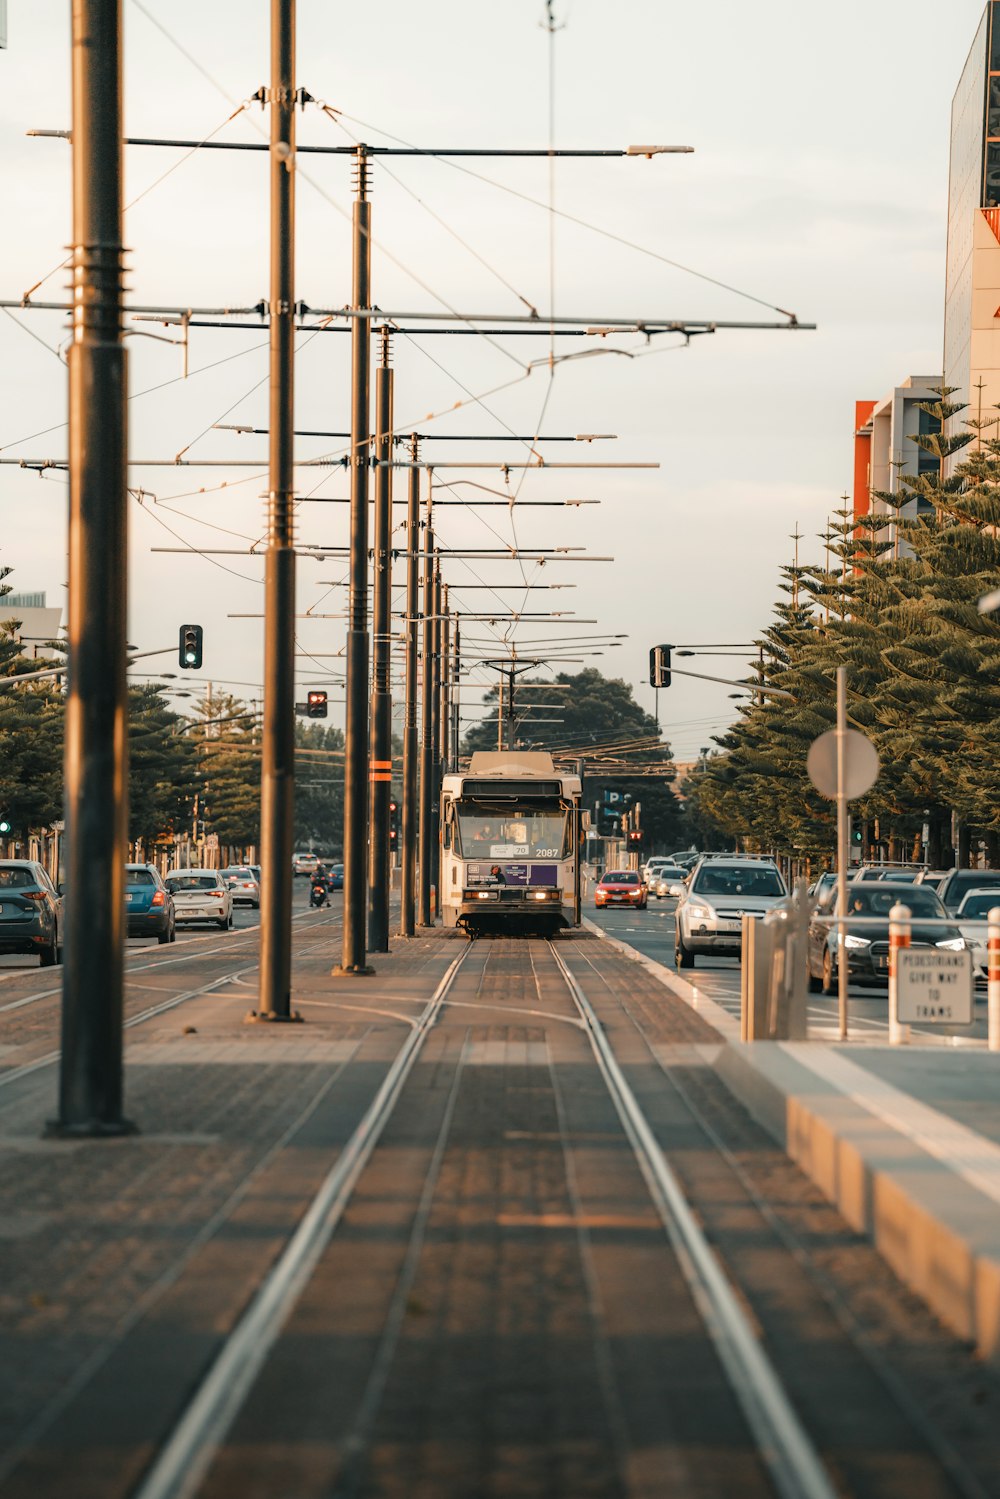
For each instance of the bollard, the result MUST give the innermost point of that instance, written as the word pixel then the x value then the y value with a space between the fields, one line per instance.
pixel 899 936
pixel 993 979
pixel 747 947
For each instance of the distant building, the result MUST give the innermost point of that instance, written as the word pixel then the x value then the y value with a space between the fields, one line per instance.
pixel 884 446
pixel 972 291
pixel 37 625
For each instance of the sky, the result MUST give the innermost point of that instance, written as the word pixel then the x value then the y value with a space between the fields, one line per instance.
pixel 818 184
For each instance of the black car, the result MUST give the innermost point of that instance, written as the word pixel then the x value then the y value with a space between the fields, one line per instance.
pixel 30 911
pixel 149 906
pixel 867 938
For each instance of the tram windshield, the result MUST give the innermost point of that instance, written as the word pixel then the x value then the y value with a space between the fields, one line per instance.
pixel 501 832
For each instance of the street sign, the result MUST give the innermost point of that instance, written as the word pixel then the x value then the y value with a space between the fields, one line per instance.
pixel 934 987
pixel 212 840
pixel 861 764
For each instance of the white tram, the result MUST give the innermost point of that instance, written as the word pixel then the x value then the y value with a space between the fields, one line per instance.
pixel 510 827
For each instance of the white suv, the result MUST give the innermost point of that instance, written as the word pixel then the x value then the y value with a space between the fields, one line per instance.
pixel 720 892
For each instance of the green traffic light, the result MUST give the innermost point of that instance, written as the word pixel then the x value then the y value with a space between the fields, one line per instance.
pixel 4 827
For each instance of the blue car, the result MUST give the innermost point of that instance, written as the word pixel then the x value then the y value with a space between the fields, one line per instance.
pixel 335 879
pixel 149 906
pixel 30 911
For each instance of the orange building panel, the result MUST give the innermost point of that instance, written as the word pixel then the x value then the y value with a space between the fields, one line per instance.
pixel 862 456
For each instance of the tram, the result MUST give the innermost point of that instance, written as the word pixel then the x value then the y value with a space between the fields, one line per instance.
pixel 510 830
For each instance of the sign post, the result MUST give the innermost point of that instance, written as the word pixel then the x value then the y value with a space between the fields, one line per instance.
pixel 842 765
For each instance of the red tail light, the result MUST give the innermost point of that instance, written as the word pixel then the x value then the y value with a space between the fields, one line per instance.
pixel 32 894
pixel 157 898
pixel 216 894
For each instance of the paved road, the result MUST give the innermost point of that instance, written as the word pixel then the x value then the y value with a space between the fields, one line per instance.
pixel 652 932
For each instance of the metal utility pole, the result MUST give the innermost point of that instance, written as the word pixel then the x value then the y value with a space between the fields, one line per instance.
pixel 380 761
pixel 456 704
pixel 444 740
pixel 277 784
pixel 436 729
pixel 578 856
pixel 424 916
pixel 96 766
pixel 356 650
pixel 408 833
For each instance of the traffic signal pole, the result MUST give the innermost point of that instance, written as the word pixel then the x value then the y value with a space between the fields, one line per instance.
pixel 437 636
pixel 409 829
pixel 424 916
pixel 277 785
pixel 356 650
pixel 96 764
pixel 380 760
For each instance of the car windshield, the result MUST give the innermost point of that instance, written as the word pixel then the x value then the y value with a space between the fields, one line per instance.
pixel 670 872
pixel 504 833
pixel 977 907
pixel 17 877
pixel 878 900
pixel 140 877
pixel 738 879
pixel 192 881
pixel 621 877
pixel 238 874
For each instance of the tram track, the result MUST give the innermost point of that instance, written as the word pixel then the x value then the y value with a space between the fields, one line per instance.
pixel 785 1450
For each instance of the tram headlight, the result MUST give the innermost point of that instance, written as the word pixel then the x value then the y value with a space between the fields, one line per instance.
pixel 545 895
pixel 480 895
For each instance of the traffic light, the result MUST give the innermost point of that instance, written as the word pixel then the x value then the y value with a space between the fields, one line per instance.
pixel 316 705
pixel 4 825
pixel 634 838
pixel 393 825
pixel 659 666
pixel 189 651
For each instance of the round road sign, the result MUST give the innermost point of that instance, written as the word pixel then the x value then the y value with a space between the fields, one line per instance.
pixel 861 764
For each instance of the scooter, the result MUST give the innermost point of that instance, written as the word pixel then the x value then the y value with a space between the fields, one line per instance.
pixel 319 895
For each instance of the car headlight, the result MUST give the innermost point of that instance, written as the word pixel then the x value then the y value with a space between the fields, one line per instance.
pixel 851 941
pixel 953 944
pixel 701 913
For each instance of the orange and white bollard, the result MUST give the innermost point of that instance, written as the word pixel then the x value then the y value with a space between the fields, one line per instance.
pixel 993 979
pixel 899 937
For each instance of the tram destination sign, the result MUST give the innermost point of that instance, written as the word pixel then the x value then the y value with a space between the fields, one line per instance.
pixel 934 987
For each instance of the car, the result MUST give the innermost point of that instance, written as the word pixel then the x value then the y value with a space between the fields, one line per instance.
pixel 960 881
pixel 827 881
pixel 335 880
pixel 200 895
pixel 933 877
pixel 971 917
pixel 650 867
pixel 620 887
pixel 902 874
pixel 30 911
pixel 866 941
pixel 720 892
pixel 668 880
pixel 304 864
pixel 245 888
pixel 149 905
pixel 256 871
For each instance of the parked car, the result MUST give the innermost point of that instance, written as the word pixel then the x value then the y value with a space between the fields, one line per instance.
pixel 971 917
pixel 620 887
pixel 245 888
pixel 304 864
pixel 668 880
pixel 149 905
pixel 336 877
pixel 720 892
pixel 959 882
pixel 867 939
pixel 30 911
pixel 255 870
pixel 200 895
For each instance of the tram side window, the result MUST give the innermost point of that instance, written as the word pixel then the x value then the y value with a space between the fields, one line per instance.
pixel 505 834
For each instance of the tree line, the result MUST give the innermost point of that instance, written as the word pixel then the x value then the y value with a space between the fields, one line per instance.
pixel 895 601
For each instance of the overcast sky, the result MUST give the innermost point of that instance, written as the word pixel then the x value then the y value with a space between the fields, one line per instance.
pixel 818 184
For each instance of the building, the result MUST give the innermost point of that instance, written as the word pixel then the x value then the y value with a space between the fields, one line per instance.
pixel 37 626
pixel 972 287
pixel 884 447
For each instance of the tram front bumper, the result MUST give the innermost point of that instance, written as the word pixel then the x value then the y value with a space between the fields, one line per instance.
pixel 511 905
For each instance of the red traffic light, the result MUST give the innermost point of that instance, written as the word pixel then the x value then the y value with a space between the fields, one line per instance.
pixel 316 705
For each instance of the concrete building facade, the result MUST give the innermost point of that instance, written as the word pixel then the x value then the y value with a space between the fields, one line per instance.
pixel 884 448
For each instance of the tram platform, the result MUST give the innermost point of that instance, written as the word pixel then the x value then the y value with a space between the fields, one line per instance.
pixel 497 1308
pixel 904 1140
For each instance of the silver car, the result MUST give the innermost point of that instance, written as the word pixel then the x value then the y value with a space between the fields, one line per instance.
pixel 244 885
pixel 720 892
pixel 200 895
pixel 667 879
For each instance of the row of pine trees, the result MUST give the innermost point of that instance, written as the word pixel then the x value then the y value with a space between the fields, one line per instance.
pixel 895 602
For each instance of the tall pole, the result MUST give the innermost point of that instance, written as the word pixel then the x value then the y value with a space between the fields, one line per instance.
pixel 578 851
pixel 356 651
pixel 456 702
pixel 380 763
pixel 842 849
pixel 96 763
pixel 409 819
pixel 444 740
pixel 437 636
pixel 277 784
pixel 427 717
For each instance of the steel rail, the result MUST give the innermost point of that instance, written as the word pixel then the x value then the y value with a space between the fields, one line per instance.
pixel 783 1443
pixel 184 1460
